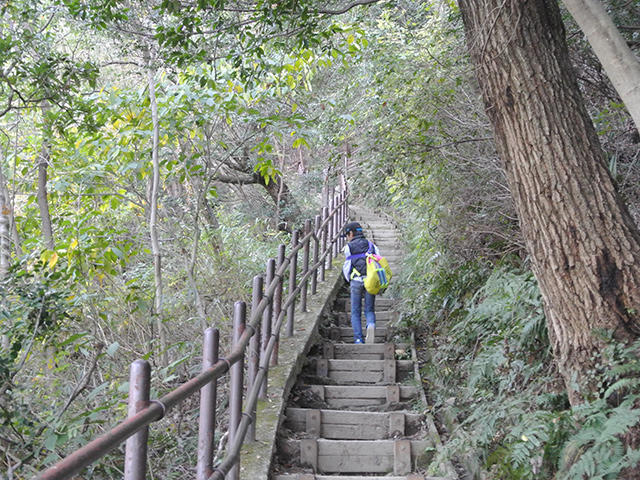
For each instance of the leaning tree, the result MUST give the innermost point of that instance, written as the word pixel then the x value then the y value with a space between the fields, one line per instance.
pixel 584 246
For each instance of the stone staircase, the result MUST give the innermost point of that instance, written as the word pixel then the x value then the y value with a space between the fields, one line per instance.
pixel 356 412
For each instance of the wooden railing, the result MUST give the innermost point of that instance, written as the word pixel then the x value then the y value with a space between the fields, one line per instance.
pixel 259 335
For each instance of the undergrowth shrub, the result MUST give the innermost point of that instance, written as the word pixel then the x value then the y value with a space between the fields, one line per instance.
pixel 492 371
pixel 65 345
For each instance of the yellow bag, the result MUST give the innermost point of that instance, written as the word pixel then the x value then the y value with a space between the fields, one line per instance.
pixel 378 274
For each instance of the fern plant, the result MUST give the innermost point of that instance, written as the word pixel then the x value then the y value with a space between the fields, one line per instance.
pixel 597 451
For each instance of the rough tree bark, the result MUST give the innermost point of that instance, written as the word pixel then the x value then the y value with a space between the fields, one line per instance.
pixel 584 246
pixel 617 59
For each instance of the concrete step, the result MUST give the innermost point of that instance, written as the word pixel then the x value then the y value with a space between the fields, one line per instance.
pixel 345 334
pixel 383 303
pixel 363 397
pixel 344 318
pixel 374 351
pixel 384 315
pixel 312 476
pixel 399 457
pixel 348 425
pixel 349 372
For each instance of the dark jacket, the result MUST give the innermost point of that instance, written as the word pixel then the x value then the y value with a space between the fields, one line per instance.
pixel 359 245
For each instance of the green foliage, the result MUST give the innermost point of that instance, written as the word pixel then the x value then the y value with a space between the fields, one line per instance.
pixel 507 308
pixel 596 450
pixel 33 307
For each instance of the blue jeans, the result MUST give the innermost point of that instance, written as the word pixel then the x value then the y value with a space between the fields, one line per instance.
pixel 357 292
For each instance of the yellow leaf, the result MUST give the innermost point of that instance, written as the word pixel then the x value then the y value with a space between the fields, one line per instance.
pixel 73 244
pixel 53 260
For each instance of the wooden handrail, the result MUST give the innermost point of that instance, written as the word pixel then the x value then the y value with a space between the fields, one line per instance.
pixel 326 235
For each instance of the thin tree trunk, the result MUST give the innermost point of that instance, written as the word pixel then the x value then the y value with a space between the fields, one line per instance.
pixel 42 195
pixel 206 209
pixel 201 195
pixel 325 188
pixel 5 242
pixel 9 201
pixel 5 226
pixel 617 59
pixel 584 246
pixel 279 196
pixel 153 217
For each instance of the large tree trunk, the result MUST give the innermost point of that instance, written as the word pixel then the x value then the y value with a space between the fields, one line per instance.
pixel 584 246
pixel 621 65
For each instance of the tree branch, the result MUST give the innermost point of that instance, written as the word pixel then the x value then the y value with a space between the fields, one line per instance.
pixel 237 179
pixel 348 7
pixel 83 383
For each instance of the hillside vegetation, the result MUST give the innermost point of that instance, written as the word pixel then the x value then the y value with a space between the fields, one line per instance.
pixel 154 154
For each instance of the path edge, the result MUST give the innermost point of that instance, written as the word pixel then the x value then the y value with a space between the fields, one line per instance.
pixel 256 457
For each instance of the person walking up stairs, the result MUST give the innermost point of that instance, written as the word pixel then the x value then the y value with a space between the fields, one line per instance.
pixel 357 410
pixel 354 271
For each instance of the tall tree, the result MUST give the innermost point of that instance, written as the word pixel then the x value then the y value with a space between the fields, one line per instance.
pixel 621 65
pixel 584 246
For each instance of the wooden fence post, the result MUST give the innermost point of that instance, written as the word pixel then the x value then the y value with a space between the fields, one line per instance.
pixel 316 254
pixel 208 404
pixel 236 380
pixel 266 325
pixel 331 232
pixel 343 217
pixel 293 270
pixel 254 353
pixel 325 216
pixel 305 266
pixel 336 223
pixel 135 458
pixel 277 302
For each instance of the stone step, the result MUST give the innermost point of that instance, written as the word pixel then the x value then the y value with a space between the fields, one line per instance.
pixel 363 397
pixel 348 425
pixel 359 456
pixel 374 351
pixel 351 371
